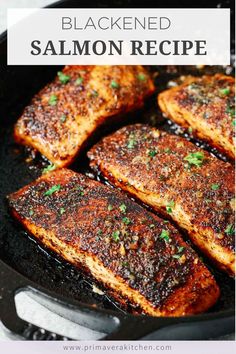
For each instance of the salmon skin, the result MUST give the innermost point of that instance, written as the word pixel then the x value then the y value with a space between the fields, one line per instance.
pixel 64 115
pixel 206 105
pixel 127 249
pixel 177 179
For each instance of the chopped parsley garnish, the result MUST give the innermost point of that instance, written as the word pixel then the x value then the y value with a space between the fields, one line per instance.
pixel 63 77
pixel 151 226
pixel 230 110
pixel 233 123
pixel 99 232
pixel 114 84
pixel 126 220
pixel 131 142
pixel 123 208
pixel 165 235
pixel 94 93
pixel 225 91
pixel 190 130
pixel 49 168
pixel 180 249
pixel 31 212
pixel 125 264
pixel 208 200
pixel 80 190
pixel 63 118
pixel 79 81
pixel 52 100
pixel 169 206
pixel 62 210
pixel 110 207
pixel 152 153
pixel 193 86
pixel 141 77
pixel 230 230
pixel 195 158
pixel 53 189
pixel 167 150
pixel 176 256
pixel 116 235
pixel 215 186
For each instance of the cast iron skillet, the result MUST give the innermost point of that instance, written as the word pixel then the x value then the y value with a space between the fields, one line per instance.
pixel 53 282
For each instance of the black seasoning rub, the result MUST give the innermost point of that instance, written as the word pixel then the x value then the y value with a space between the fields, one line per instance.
pixel 133 253
pixel 206 105
pixel 177 179
pixel 62 116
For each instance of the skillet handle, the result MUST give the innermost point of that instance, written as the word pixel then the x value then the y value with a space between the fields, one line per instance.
pixel 9 285
pixel 199 327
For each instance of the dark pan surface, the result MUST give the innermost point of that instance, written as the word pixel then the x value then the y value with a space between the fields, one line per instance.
pixel 19 167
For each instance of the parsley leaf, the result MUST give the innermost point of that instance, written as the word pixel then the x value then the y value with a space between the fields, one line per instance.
pixel 230 110
pixel 63 77
pixel 141 77
pixel 165 235
pixel 80 190
pixel 152 153
pixel 114 84
pixel 195 158
pixel 180 249
pixel 126 220
pixel 94 93
pixel 225 91
pixel 230 230
pixel 62 210
pixel 176 256
pixel 52 100
pixel 116 235
pixel 31 212
pixel 169 206
pixel 79 81
pixel 53 189
pixel 49 168
pixel 123 208
pixel 131 142
pixel 215 186
pixel 63 118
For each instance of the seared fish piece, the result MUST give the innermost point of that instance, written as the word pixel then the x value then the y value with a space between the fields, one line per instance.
pixel 175 178
pixel 206 105
pixel 64 114
pixel 129 250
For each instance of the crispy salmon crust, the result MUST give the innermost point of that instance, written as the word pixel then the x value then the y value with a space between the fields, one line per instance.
pixel 207 105
pixel 63 115
pixel 124 247
pixel 177 179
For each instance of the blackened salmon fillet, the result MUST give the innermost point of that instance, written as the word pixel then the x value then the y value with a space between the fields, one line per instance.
pixel 177 179
pixel 64 115
pixel 127 249
pixel 206 105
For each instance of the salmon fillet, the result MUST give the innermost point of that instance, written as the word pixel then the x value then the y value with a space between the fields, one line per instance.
pixel 127 249
pixel 207 105
pixel 63 115
pixel 177 179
